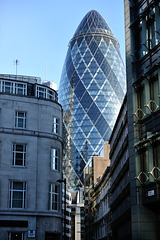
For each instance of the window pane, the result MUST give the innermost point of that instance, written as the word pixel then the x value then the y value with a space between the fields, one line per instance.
pixel 19 159
pixel 18 185
pixel 41 92
pixel 19 155
pixel 7 87
pixel 20 89
pixel 17 194
pixel 20 114
pixel 55 125
pixel 54 197
pixel 20 120
pixel 50 94
pixel 154 94
pixel 20 123
pixel 19 148
pixel 54 159
pixel 17 200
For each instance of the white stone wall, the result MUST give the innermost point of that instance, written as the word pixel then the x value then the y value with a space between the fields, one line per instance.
pixel 37 173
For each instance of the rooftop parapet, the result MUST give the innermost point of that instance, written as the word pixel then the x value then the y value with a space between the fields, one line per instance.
pixel 22 78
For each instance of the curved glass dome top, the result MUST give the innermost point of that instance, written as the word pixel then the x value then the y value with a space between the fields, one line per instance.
pixel 93 22
pixel 91 91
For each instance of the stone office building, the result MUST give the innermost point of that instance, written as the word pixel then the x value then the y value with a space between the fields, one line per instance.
pixel 30 159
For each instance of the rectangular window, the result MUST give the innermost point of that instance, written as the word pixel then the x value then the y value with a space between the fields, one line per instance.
pixel 17 194
pixel 20 120
pixel 156 161
pixel 151 24
pixel 55 125
pixel 140 102
pixel 12 87
pixel 7 87
pixel 15 236
pixel 20 89
pixel 154 93
pixel 19 155
pixel 44 92
pixel 143 167
pixel 54 159
pixel 41 92
pixel 54 197
pixel 50 94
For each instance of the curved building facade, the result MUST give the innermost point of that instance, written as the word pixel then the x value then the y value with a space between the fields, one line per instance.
pixel 31 153
pixel 92 88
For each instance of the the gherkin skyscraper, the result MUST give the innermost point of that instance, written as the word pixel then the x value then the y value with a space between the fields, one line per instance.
pixel 92 88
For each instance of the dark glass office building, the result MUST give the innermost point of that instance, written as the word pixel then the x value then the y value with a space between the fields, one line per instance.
pixel 142 30
pixel 91 92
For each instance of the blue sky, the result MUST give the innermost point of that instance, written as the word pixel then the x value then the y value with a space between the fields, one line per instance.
pixel 37 32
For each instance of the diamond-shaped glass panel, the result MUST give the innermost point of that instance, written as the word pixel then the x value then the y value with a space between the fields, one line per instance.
pixel 81 69
pixel 83 47
pixel 86 101
pixel 93 47
pixel 93 67
pixel 93 89
pixel 93 113
pixel 79 90
pixel 87 57
pixel 87 78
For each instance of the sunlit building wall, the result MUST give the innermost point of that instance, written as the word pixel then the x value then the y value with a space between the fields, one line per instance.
pixel 31 157
pixel 97 197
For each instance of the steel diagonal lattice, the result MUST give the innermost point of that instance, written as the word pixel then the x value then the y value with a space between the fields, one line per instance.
pixel 91 91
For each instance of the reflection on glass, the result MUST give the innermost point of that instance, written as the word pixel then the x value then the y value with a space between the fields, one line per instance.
pixel 91 91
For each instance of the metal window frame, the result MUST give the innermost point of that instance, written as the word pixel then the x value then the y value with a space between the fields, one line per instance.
pixel 13 87
pixel 55 159
pixel 12 190
pixel 53 194
pixel 24 152
pixel 17 118
pixel 55 125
